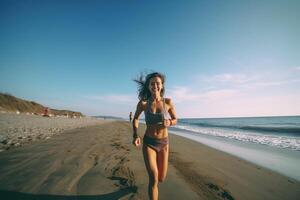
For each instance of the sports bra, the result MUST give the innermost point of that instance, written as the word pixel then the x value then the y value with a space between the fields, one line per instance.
pixel 155 118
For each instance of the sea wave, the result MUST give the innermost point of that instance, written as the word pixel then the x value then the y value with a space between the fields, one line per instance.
pixel 281 129
pixel 279 141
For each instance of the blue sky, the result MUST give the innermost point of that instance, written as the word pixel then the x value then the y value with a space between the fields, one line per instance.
pixel 221 58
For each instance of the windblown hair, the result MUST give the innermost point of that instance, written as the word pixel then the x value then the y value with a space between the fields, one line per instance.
pixel 143 85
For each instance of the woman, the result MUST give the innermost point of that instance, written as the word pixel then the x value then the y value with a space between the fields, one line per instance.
pixel 155 141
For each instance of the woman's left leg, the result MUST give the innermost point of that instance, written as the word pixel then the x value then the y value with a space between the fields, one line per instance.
pixel 162 163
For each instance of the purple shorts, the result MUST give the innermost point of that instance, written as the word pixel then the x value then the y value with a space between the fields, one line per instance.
pixel 155 143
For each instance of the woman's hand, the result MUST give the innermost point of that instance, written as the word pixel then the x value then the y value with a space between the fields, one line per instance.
pixel 167 123
pixel 136 141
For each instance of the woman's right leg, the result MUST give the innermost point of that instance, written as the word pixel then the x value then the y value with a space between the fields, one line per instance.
pixel 151 165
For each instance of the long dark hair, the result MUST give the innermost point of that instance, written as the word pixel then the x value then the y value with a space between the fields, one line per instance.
pixel 143 84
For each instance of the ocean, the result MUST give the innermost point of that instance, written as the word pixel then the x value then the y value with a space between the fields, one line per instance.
pixel 271 142
pixel 280 132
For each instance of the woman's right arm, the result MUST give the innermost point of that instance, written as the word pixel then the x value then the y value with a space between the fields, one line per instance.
pixel 135 121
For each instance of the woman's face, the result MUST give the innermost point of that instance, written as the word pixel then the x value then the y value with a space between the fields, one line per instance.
pixel 155 85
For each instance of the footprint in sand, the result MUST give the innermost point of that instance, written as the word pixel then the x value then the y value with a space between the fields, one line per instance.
pixel 96 160
pixel 220 191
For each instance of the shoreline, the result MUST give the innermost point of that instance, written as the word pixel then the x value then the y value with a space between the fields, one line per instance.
pixel 100 162
pixel 283 161
pixel 228 174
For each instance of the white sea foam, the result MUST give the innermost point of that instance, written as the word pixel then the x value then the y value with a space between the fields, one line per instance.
pixel 247 136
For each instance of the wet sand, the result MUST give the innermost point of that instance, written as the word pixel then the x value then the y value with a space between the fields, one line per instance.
pixel 99 162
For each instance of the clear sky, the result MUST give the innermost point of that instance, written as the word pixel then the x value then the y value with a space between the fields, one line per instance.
pixel 221 58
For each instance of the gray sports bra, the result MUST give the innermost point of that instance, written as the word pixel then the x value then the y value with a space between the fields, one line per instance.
pixel 155 118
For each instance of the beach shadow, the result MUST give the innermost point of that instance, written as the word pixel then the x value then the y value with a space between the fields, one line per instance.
pixel 14 195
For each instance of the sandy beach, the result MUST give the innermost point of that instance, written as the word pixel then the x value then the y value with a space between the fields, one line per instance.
pixel 98 161
pixel 19 129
